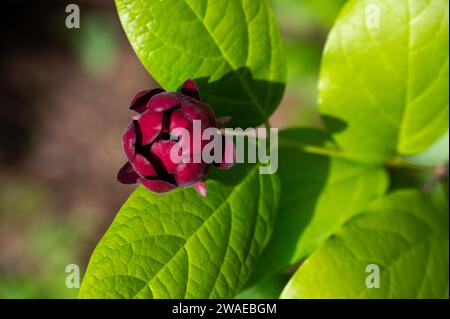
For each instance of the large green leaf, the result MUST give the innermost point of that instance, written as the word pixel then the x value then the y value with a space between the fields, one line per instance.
pixel 319 194
pixel 405 234
pixel 387 83
pixel 180 245
pixel 232 48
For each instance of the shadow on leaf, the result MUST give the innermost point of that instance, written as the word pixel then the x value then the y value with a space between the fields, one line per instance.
pixel 238 94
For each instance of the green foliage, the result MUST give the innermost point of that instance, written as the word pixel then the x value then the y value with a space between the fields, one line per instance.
pixel 376 82
pixel 231 48
pixel 437 154
pixel 315 201
pixel 405 233
pixel 384 99
pixel 266 289
pixel 183 246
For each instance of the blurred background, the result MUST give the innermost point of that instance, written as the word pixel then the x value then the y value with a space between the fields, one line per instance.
pixel 64 95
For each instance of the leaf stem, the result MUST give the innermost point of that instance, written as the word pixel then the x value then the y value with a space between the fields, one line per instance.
pixel 396 162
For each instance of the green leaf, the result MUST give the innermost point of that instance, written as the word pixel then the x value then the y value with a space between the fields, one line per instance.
pixel 319 194
pixel 232 48
pixel 405 234
pixel 437 154
pixel 387 84
pixel 266 289
pixel 180 245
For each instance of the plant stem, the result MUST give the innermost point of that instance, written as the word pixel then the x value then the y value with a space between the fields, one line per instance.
pixel 396 162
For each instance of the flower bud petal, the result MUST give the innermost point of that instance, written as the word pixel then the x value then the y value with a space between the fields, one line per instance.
pixel 150 125
pixel 129 140
pixel 189 174
pixel 228 155
pixel 164 101
pixel 127 175
pixel 200 187
pixel 140 100
pixel 157 186
pixel 197 110
pixel 189 88
pixel 178 120
pixel 160 154
pixel 143 167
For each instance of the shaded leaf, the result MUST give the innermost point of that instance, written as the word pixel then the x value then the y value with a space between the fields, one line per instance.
pixel 319 194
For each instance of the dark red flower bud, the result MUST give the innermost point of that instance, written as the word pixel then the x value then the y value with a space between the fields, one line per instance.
pixel 151 136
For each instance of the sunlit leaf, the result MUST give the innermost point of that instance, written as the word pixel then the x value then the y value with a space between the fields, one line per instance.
pixel 385 76
pixel 404 234
pixel 232 48
pixel 181 245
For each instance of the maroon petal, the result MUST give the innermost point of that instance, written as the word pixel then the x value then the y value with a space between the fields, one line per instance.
pixel 191 144
pixel 140 100
pixel 178 120
pixel 189 88
pixel 164 101
pixel 143 167
pixel 189 174
pixel 200 187
pixel 127 175
pixel 129 141
pixel 228 155
pixel 157 186
pixel 160 152
pixel 150 125
pixel 197 110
